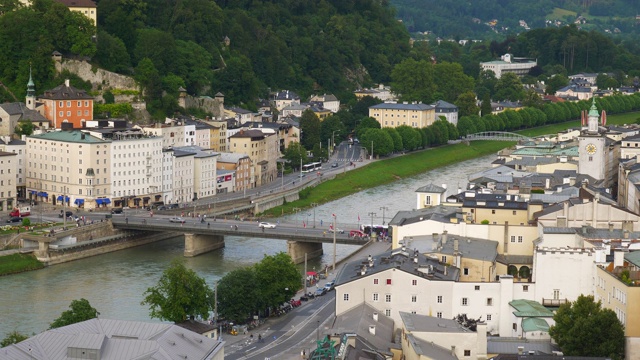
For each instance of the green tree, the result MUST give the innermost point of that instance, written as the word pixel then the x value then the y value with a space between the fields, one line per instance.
pixel 584 328
pixel 277 279
pixel 411 139
pixel 414 81
pixel 310 128
pixel 180 293
pixel 13 337
pixel 24 128
pixel 111 53
pixel 365 124
pixel 361 108
pixel 485 107
pixel 295 154
pixel 79 310
pixel 509 87
pixel 397 139
pixel 466 104
pixel 532 99
pixel 555 83
pixel 381 140
pixel 451 81
pixel 238 295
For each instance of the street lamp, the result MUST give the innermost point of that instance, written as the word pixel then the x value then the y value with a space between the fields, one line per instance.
pixel 313 205
pixel 333 139
pixel 372 214
pixel 335 230
pixel 296 210
pixel 383 208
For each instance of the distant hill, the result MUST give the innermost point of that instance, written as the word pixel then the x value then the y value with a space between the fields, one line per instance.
pixel 482 19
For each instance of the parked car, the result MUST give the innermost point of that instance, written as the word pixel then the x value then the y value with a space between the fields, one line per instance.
pixel 357 234
pixel 340 231
pixel 67 213
pixel 266 225
pixel 320 291
pixel 116 211
pixel 329 286
pixel 14 219
pixel 334 165
pixel 177 219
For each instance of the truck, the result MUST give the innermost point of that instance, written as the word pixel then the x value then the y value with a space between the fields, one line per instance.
pixel 21 211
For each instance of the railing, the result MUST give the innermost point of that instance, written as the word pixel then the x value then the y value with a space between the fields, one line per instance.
pixel 554 302
pixel 496 136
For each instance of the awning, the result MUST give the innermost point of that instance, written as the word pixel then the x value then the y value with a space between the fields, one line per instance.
pixel 99 201
pixel 79 201
pixel 146 198
pixel 136 199
pixel 312 273
pixel 535 324
pixel 158 196
pixel 60 198
pixel 106 201
pixel 34 191
pixel 43 194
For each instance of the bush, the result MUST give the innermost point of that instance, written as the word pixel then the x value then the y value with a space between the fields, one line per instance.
pixel 26 222
pixel 485 222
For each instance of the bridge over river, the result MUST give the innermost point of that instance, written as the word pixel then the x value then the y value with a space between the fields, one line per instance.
pixel 202 237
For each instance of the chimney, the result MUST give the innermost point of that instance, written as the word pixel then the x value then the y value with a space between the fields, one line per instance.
pixel 627 225
pixel 82 136
pixel 610 227
pixel 455 245
pixel 445 270
pixel 584 229
pixel 625 234
pixel 375 316
pixel 520 350
pixel 453 350
pixel 444 237
pixel 548 183
pixel 66 82
pixel 618 258
pixel 372 330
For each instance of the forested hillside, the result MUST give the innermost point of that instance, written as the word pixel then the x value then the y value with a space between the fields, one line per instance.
pixel 306 45
pixel 472 18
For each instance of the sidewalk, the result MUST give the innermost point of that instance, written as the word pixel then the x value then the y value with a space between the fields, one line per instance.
pixel 372 248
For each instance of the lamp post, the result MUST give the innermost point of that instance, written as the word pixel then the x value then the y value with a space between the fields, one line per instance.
pixel 333 139
pixel 371 149
pixel 313 205
pixel 334 242
pixel 296 210
pixel 372 214
pixel 383 208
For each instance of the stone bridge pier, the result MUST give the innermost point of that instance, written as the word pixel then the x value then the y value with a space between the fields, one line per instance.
pixel 196 244
pixel 297 249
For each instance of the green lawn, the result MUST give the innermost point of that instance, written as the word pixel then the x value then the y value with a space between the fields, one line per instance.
pixel 559 13
pixel 389 170
pixel 16 263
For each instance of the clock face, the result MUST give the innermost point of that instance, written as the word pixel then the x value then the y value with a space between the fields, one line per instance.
pixel 591 149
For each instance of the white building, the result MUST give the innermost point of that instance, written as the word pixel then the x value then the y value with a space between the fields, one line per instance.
pixel 183 176
pixel 7 180
pixel 18 147
pixel 446 110
pixel 204 170
pixel 509 63
pixel 167 182
pixel 329 102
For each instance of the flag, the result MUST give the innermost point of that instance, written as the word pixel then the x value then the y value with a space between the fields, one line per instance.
pixel 604 118
pixel 304 224
pixel 358 217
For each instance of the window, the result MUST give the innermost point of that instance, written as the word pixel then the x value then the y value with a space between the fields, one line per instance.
pixel 414 298
pixel 387 312
pixel 375 281
pixel 444 258
pixel 439 315
pixel 513 238
pixel 488 317
pixel 515 327
pixel 388 281
pixel 439 299
pixel 387 298
pixel 465 271
pixel 493 211
pixel 375 297
pixel 414 282
pixel 525 288
pixel 427 200
pixel 467 353
pixel 520 238
pixel 476 288
pixel 489 301
pixel 465 301
pixel 346 297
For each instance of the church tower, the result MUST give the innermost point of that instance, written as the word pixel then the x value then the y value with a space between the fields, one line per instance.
pixel 31 93
pixel 592 149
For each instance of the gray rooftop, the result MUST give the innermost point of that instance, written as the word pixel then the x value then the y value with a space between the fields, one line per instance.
pixel 424 323
pixel 431 188
pixel 439 213
pixel 75 136
pixel 20 108
pixel 503 345
pixel 116 340
pixel 395 106
pixel 429 349
pixel 471 248
pixel 231 157
pixel 359 319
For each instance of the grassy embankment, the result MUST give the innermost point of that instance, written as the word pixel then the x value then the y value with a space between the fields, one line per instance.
pixel 388 170
pixel 17 263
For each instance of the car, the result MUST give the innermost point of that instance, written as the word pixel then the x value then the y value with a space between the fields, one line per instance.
pixel 329 286
pixel 340 231
pixel 266 225
pixel 68 213
pixel 161 207
pixel 334 165
pixel 177 219
pixel 14 219
pixel 116 211
pixel 320 291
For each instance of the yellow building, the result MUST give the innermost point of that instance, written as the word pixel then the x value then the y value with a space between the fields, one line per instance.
pixel 622 297
pixel 416 115
pixel 263 150
pixel 86 7
pixel 218 134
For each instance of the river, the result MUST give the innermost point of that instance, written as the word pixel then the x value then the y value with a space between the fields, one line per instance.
pixel 114 283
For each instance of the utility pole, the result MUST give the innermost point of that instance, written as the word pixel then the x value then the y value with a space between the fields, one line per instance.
pixel 335 230
pixel 304 278
pixel 383 208
pixel 313 205
pixel 64 208
pixel 372 214
pixel 215 302
pixel 297 211
pixel 371 149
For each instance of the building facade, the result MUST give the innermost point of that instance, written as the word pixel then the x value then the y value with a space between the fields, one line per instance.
pixel 67 104
pixel 416 115
pixel 7 180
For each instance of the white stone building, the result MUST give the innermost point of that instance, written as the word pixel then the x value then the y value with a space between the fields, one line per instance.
pixel 509 63
pixel 7 180
pixel 18 147
pixel 183 176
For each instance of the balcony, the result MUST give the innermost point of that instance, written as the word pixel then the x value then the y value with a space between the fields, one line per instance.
pixel 554 302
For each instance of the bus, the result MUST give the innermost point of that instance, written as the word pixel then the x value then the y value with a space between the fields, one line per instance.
pixel 311 167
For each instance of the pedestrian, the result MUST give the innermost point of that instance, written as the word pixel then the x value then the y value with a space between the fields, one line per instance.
pixel 321 222
pixel 259 338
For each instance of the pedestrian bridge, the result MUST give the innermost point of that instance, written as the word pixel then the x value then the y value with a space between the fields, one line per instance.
pixel 202 237
pixel 497 136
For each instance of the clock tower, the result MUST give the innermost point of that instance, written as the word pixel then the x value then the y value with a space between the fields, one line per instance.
pixel 592 148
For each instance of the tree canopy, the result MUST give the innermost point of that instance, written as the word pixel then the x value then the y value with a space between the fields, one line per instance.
pixel 79 310
pixel 13 337
pixel 584 328
pixel 179 294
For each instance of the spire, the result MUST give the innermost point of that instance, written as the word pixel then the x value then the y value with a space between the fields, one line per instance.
pixel 593 111
pixel 593 117
pixel 30 85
